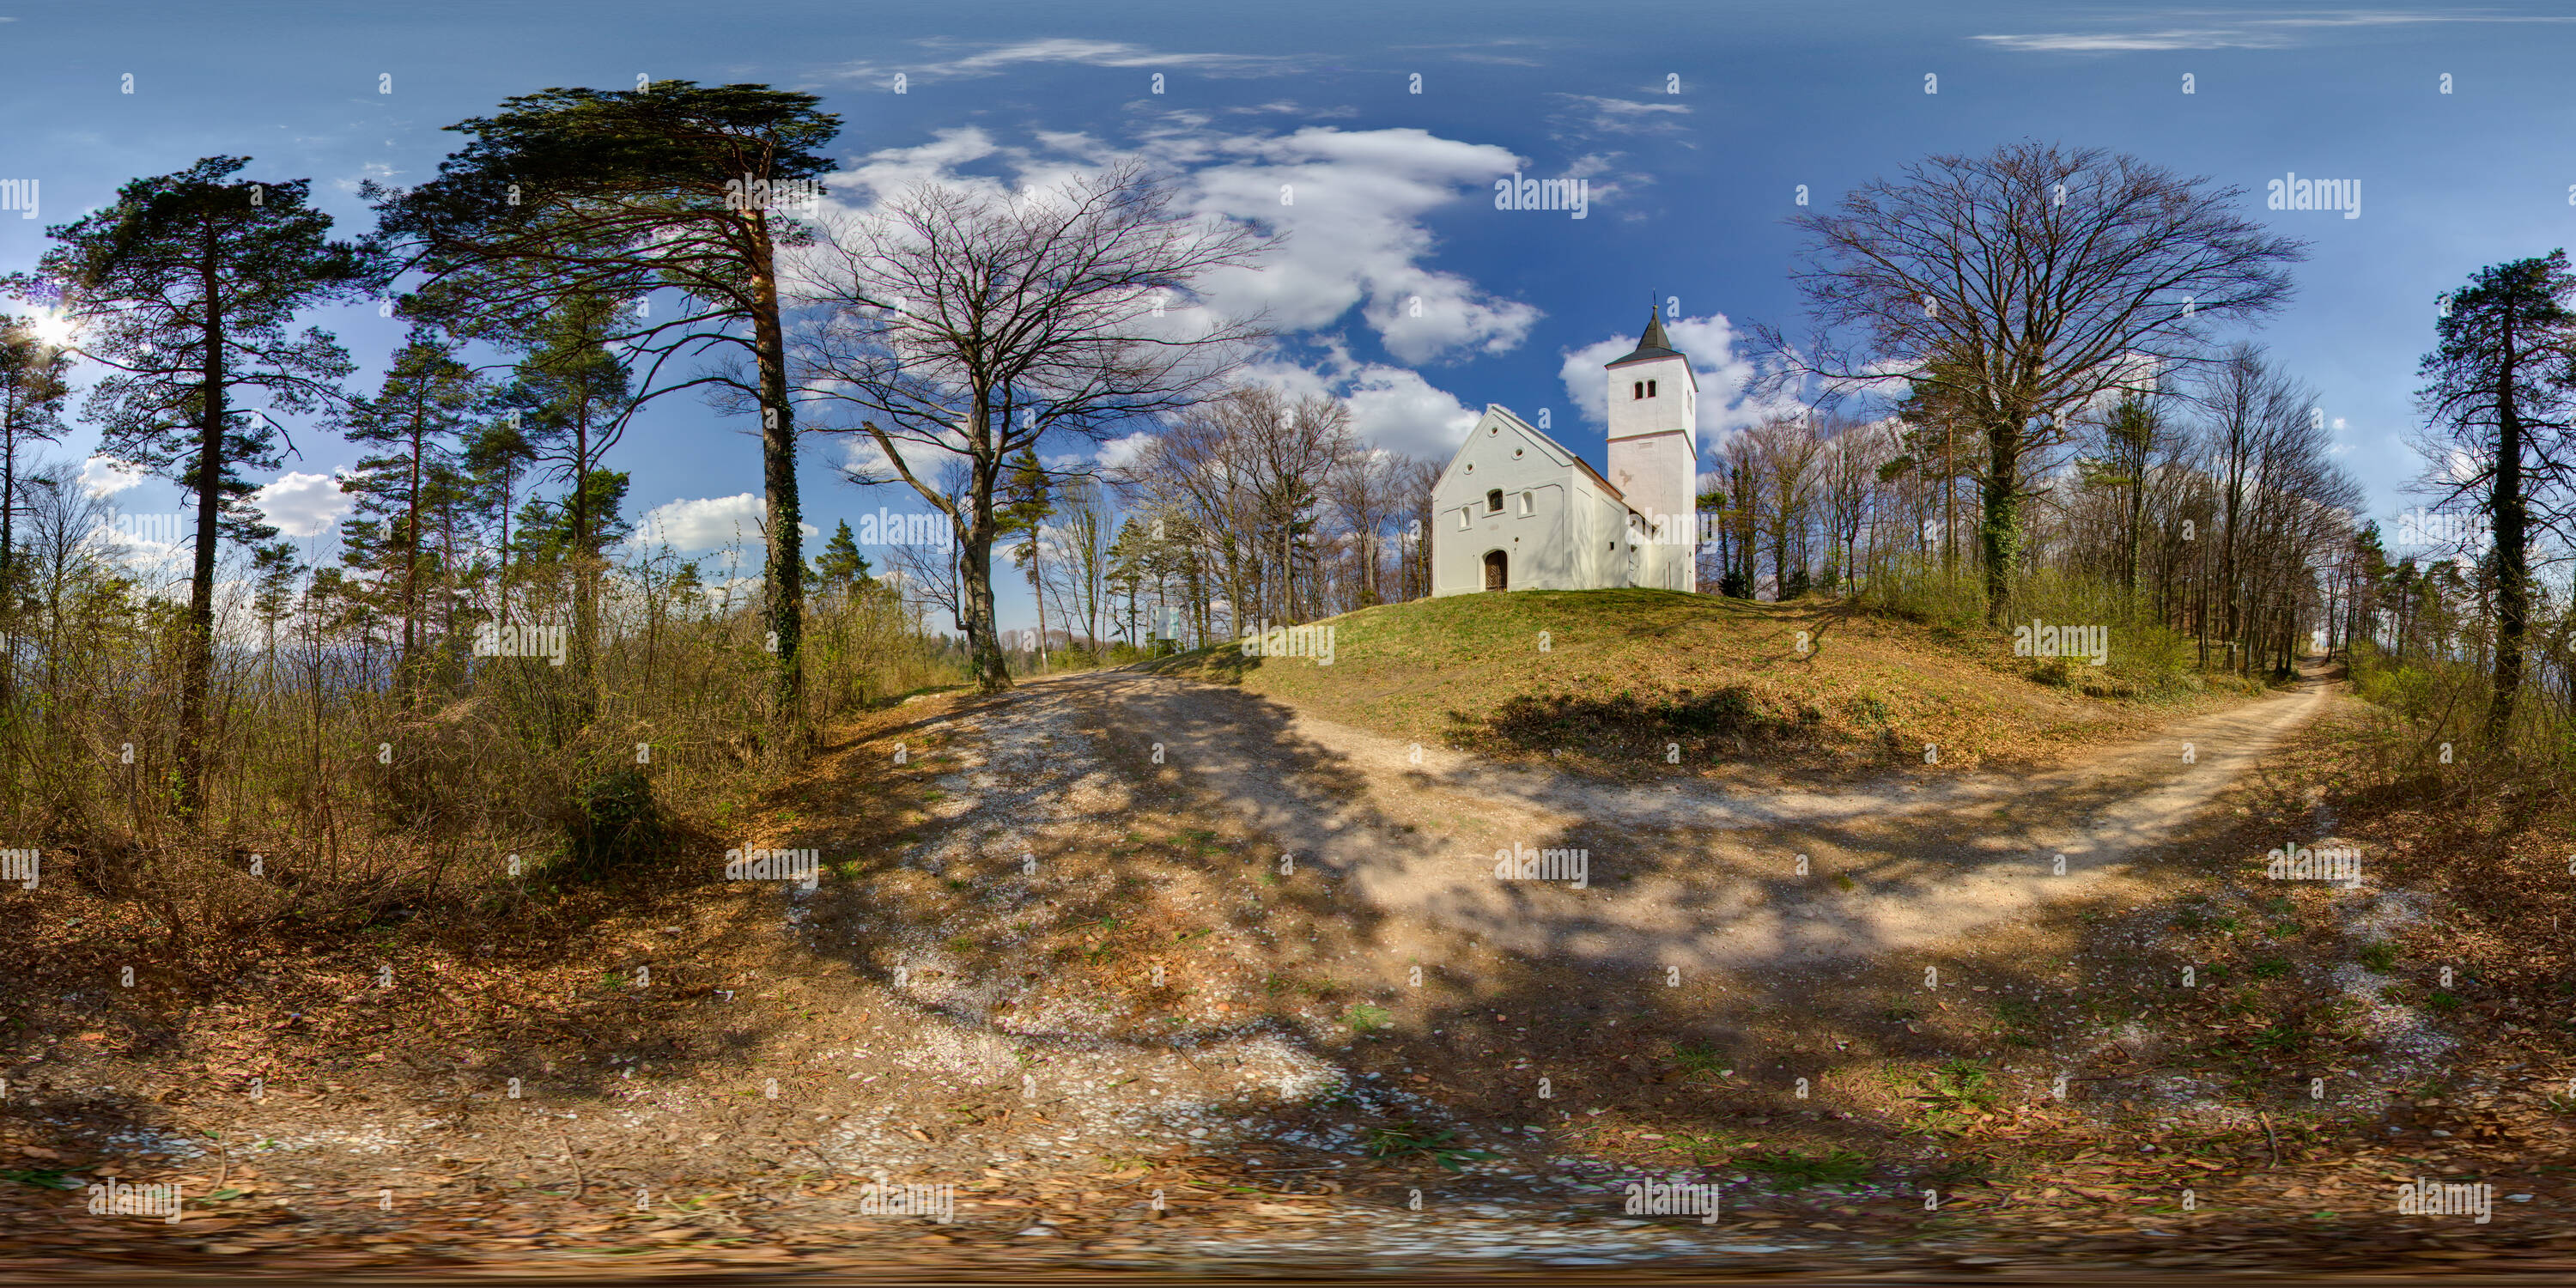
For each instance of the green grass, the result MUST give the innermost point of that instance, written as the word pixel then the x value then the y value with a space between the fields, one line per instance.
pixel 1627 672
pixel 2203 919
pixel 2018 1021
pixel 1955 1093
pixel 2280 1038
pixel 1413 1140
pixel 1699 1061
pixel 2380 957
pixel 1962 1083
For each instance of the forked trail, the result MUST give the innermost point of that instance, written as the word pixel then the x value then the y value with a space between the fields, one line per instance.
pixel 1682 874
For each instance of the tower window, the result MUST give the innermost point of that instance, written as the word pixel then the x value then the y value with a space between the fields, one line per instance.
pixel 1641 389
pixel 1494 501
pixel 1650 389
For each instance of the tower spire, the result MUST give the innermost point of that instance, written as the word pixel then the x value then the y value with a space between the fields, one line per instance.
pixel 1654 337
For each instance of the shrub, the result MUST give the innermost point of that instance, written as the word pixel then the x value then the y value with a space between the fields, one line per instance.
pixel 616 822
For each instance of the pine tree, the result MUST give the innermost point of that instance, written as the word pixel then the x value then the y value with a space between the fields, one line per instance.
pixel 34 382
pixel 274 570
pixel 1028 504
pixel 497 458
pixel 575 398
pixel 1129 557
pixel 841 566
pixel 425 405
pixel 192 280
pixel 615 193
pixel 2501 393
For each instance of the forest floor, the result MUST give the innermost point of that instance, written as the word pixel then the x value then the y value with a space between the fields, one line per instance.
pixel 1135 972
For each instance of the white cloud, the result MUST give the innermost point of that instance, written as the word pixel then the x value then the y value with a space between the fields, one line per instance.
pixel 1392 408
pixel 894 169
pixel 150 543
pixel 2135 41
pixel 1288 107
pixel 708 523
pixel 1356 236
pixel 103 476
pixel 1395 408
pixel 303 505
pixel 376 170
pixel 1594 114
pixel 2250 32
pixel 1725 374
pixel 994 60
pixel 864 455
pixel 1119 453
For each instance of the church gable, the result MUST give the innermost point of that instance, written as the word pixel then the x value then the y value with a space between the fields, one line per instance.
pixel 1502 451
pixel 1500 443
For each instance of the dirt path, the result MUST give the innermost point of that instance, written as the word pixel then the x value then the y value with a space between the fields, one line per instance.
pixel 1676 875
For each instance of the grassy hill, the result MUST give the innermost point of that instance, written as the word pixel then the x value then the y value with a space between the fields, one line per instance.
pixel 1611 680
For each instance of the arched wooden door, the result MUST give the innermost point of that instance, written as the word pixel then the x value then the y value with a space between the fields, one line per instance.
pixel 1497 571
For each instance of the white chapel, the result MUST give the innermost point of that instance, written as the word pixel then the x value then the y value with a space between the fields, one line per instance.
pixel 1515 510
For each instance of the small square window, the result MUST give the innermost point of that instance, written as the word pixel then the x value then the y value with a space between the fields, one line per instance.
pixel 1494 501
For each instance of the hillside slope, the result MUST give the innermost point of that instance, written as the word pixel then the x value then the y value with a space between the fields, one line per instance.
pixel 1617 680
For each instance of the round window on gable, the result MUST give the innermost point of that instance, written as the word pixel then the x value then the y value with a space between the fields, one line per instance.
pixel 1516 453
pixel 1491 430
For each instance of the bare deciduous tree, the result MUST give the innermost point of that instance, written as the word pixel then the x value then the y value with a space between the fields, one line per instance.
pixel 969 323
pixel 2025 284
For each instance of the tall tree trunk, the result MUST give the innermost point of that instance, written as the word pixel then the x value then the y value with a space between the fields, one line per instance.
pixel 1037 592
pixel 1999 533
pixel 782 576
pixel 409 670
pixel 196 680
pixel 2137 516
pixel 975 580
pixel 585 587
pixel 2512 573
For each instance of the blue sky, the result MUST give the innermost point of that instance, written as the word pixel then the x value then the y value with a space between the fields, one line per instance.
pixel 1392 188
